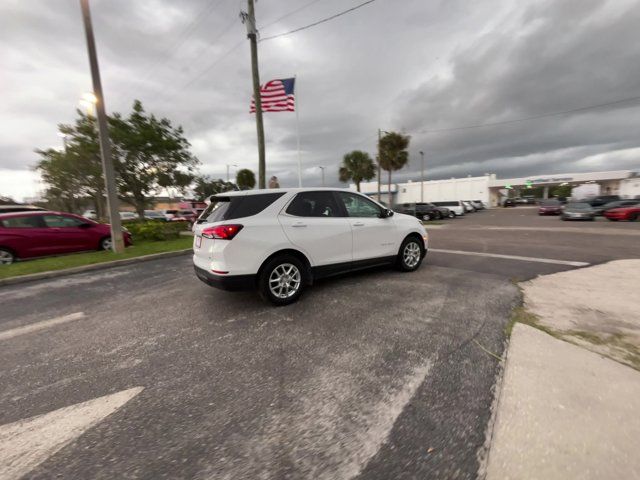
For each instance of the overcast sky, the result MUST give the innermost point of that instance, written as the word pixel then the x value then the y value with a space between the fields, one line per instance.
pixel 408 65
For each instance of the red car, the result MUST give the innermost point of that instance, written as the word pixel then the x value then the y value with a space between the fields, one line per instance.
pixel 550 207
pixel 40 233
pixel 624 213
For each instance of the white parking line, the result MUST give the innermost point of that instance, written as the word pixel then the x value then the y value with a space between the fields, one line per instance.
pixel 513 257
pixel 34 327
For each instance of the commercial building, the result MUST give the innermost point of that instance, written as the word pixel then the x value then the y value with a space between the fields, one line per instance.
pixel 492 190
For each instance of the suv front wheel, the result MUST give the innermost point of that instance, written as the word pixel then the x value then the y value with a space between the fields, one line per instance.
pixel 282 280
pixel 411 254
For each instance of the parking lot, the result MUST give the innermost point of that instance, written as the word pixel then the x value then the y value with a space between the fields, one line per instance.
pixel 376 375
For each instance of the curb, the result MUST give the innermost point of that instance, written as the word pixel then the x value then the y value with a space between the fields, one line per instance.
pixel 90 268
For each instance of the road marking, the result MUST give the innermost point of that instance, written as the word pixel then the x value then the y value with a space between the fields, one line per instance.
pixel 34 327
pixel 27 443
pixel 513 257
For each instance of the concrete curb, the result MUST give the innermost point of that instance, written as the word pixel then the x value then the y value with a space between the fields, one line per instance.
pixel 90 268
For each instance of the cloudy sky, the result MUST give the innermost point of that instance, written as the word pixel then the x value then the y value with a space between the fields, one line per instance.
pixel 422 67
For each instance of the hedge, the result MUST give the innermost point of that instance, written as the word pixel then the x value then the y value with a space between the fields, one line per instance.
pixel 155 230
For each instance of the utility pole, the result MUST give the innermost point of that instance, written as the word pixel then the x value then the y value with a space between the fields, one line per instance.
pixel 117 242
pixel 322 169
pixel 379 170
pixel 422 177
pixel 249 18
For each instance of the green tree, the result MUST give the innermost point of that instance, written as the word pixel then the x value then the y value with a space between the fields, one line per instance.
pixel 245 179
pixel 205 186
pixel 74 173
pixel 357 166
pixel 393 153
pixel 561 191
pixel 149 153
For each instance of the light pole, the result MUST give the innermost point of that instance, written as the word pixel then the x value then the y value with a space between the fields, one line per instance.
pixel 117 242
pixel 232 165
pixel 422 177
pixel 322 169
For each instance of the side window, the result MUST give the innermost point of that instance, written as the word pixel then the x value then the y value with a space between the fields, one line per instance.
pixel 32 221
pixel 358 206
pixel 58 221
pixel 314 204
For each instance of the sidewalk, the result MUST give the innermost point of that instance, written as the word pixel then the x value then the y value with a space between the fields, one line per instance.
pixel 565 411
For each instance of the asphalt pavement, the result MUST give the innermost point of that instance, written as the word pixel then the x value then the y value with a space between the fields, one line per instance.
pixel 376 375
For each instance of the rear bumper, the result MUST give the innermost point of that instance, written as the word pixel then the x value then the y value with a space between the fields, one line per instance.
pixel 231 283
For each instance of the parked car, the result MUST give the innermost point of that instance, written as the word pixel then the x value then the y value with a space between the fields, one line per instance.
pixel 155 215
pixel 602 199
pixel 281 240
pixel 444 211
pixel 550 207
pixel 578 211
pixel 39 233
pixel 478 204
pixel 468 207
pixel 629 213
pixel 509 202
pixel 171 214
pixel 454 205
pixel 615 204
pixel 424 211
pixel 90 214
pixel 19 208
pixel 128 216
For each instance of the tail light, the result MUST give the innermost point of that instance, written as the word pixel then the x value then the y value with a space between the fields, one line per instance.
pixel 221 232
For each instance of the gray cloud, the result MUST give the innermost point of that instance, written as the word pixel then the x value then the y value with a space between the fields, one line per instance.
pixel 415 67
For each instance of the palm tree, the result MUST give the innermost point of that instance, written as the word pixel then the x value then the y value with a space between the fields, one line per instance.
pixel 393 153
pixel 245 179
pixel 357 166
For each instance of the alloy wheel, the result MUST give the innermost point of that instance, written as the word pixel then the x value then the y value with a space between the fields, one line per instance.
pixel 284 280
pixel 411 254
pixel 107 244
pixel 6 258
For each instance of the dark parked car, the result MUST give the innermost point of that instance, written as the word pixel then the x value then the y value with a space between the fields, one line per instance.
pixel 630 214
pixel 602 199
pixel 615 204
pixel 550 207
pixel 19 208
pixel 509 202
pixel 41 233
pixel 423 211
pixel 578 211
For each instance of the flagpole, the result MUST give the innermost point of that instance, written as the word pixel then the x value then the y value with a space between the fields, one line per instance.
pixel 297 97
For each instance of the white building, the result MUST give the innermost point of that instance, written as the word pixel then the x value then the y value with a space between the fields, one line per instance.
pixel 491 189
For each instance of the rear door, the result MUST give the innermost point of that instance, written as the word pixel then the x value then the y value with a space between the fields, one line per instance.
pixel 28 236
pixel 315 223
pixel 373 237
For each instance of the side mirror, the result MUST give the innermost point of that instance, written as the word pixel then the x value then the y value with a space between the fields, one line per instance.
pixel 386 213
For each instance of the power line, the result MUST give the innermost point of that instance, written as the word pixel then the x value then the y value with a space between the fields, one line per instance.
pixel 534 117
pixel 293 12
pixel 318 22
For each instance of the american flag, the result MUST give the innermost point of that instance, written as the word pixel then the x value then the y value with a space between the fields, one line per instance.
pixel 277 96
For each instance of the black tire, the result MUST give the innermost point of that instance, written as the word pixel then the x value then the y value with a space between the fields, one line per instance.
pixel 452 215
pixel 105 244
pixel 406 261
pixel 633 217
pixel 278 267
pixel 612 219
pixel 7 257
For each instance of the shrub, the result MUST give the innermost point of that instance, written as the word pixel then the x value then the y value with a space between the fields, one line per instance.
pixel 155 230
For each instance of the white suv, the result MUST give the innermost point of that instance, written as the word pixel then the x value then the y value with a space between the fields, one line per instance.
pixel 280 240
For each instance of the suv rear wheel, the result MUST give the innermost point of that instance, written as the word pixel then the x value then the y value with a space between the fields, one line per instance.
pixel 411 254
pixel 282 280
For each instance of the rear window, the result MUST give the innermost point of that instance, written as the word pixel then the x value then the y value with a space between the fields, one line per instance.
pixel 447 204
pixel 229 208
pixel 32 221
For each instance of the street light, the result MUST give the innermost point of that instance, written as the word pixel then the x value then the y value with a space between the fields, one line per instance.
pixel 322 168
pixel 422 177
pixel 88 100
pixel 228 165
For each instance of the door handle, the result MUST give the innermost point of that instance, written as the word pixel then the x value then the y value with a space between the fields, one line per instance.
pixel 358 224
pixel 299 224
